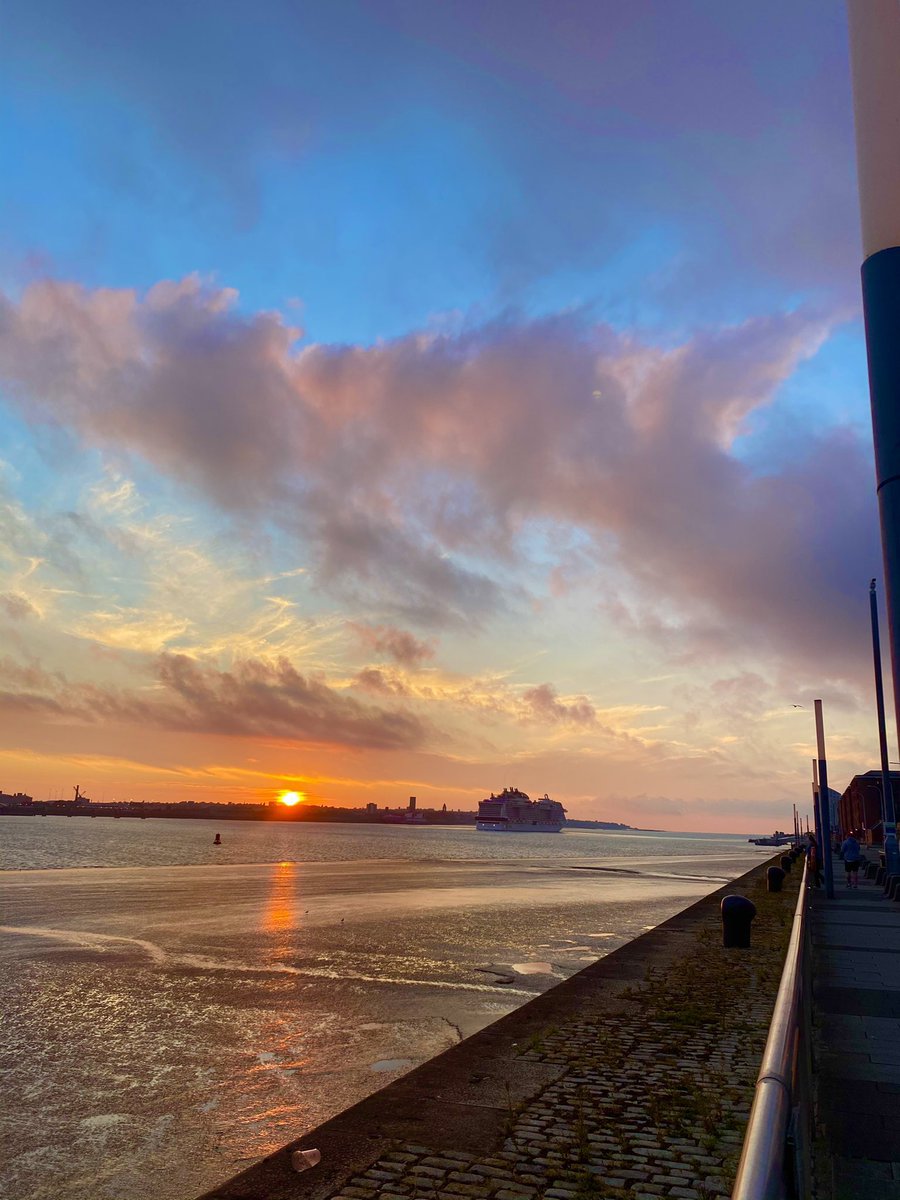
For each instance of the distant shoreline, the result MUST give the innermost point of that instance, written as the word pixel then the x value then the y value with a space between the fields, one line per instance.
pixel 273 813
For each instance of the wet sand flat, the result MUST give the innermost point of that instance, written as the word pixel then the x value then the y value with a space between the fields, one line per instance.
pixel 167 1025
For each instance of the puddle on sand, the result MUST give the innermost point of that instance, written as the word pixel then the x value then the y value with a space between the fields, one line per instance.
pixel 506 973
pixel 391 1064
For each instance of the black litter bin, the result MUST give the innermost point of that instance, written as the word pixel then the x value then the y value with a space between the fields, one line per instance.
pixel 774 879
pixel 737 913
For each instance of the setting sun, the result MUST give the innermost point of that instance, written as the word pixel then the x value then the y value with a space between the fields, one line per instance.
pixel 290 798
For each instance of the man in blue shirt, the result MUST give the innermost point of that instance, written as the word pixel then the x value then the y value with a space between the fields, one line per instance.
pixel 851 854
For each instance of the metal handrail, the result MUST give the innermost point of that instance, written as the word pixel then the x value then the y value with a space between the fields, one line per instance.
pixel 761 1171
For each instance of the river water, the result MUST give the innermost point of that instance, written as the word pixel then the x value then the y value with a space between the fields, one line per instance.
pixel 173 1010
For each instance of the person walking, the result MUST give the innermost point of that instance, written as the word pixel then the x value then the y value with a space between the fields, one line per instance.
pixel 852 856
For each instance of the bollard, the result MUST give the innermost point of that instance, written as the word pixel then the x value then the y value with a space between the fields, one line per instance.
pixel 892 886
pixel 737 913
pixel 880 876
pixel 786 862
pixel 774 879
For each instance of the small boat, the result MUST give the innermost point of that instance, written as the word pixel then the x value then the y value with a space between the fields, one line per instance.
pixel 775 839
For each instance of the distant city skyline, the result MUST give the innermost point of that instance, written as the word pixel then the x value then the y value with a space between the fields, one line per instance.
pixel 402 398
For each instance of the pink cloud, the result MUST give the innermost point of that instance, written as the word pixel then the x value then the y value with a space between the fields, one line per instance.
pixel 414 468
pixel 253 699
pixel 397 644
pixel 373 679
pixel 543 704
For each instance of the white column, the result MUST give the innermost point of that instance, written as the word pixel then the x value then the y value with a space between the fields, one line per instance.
pixel 875 67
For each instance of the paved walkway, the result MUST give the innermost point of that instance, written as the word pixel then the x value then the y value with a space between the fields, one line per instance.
pixel 856 989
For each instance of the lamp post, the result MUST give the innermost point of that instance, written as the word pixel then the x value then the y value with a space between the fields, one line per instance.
pixel 888 823
pixel 824 806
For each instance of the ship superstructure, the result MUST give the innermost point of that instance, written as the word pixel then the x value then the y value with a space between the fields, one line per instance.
pixel 513 812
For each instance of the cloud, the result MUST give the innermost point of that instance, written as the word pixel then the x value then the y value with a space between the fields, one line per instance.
pixel 275 700
pixel 255 699
pixel 398 644
pixel 373 679
pixel 543 704
pixel 413 470
pixel 16 606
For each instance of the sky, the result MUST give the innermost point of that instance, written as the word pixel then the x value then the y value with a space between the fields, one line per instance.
pixel 418 399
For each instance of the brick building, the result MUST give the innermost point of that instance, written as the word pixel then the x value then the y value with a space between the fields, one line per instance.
pixel 860 806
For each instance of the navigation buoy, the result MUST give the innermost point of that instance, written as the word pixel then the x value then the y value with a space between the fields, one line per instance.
pixel 217 840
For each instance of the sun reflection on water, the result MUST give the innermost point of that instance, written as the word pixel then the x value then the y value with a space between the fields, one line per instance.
pixel 282 910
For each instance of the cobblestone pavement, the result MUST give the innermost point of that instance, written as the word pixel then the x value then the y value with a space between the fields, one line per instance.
pixel 653 1098
pixel 856 968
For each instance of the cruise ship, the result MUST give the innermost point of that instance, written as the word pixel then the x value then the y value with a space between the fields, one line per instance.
pixel 513 812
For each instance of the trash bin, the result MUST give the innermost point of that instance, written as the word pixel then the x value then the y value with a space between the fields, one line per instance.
pixel 774 879
pixel 737 913
pixel 786 862
pixel 880 876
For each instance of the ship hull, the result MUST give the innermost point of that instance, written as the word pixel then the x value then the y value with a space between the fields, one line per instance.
pixel 516 827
